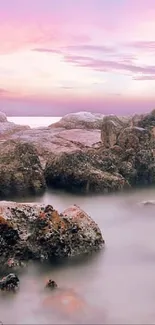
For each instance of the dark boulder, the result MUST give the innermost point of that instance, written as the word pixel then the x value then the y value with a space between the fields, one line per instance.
pixel 9 282
pixel 20 169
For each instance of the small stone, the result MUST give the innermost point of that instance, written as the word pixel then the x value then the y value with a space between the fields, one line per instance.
pixel 51 284
pixel 9 282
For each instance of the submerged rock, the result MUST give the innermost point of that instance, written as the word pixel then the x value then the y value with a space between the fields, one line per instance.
pixel 9 282
pixel 150 202
pixel 51 284
pixel 34 231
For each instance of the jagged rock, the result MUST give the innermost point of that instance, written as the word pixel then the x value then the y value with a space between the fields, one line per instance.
pixel 80 120
pixel 33 231
pixel 134 137
pixel 147 120
pixel 111 128
pixel 128 171
pixel 20 169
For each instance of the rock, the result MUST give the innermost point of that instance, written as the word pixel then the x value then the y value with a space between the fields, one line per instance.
pixel 111 127
pixel 3 117
pixel 9 282
pixel 34 231
pixel 51 284
pixel 15 264
pixel 128 171
pixel 73 157
pixel 134 137
pixel 20 169
pixel 80 171
pixel 147 120
pixel 9 128
pixel 150 202
pixel 80 120
pixel 55 140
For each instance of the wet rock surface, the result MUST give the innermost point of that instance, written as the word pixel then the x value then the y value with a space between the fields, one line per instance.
pixel 34 231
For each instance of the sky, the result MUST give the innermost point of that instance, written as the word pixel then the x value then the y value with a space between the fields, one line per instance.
pixel 62 56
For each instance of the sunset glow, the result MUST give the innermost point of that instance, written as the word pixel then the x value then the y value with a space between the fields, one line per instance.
pixel 62 56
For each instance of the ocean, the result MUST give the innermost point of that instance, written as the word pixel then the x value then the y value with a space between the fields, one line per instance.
pixel 115 285
pixel 34 121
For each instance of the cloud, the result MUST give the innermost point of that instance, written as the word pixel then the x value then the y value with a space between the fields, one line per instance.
pixel 144 77
pixel 77 48
pixel 109 66
pixel 142 45
pixel 45 50
pixel 91 48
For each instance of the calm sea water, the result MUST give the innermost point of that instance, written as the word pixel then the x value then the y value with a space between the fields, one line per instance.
pixel 34 121
pixel 114 286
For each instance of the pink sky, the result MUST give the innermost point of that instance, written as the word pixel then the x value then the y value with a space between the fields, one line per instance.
pixel 64 56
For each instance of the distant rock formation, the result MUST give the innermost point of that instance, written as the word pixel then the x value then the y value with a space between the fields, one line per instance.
pixel 80 120
pixel 8 128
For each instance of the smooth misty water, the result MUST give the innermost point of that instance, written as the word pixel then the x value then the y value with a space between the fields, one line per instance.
pixel 116 285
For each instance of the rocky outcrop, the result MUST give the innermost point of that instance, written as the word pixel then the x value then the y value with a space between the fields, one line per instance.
pixel 147 120
pixel 83 171
pixel 8 128
pixel 3 117
pixel 20 169
pixel 111 128
pixel 34 231
pixel 82 152
pixel 134 137
pixel 80 120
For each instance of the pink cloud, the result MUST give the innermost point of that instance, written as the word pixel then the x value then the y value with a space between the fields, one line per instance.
pixel 142 45
pixel 103 65
pixel 144 77
pixel 68 22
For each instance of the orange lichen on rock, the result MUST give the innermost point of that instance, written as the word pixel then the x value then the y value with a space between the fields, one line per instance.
pixel 57 221
pixel 42 215
pixel 3 221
